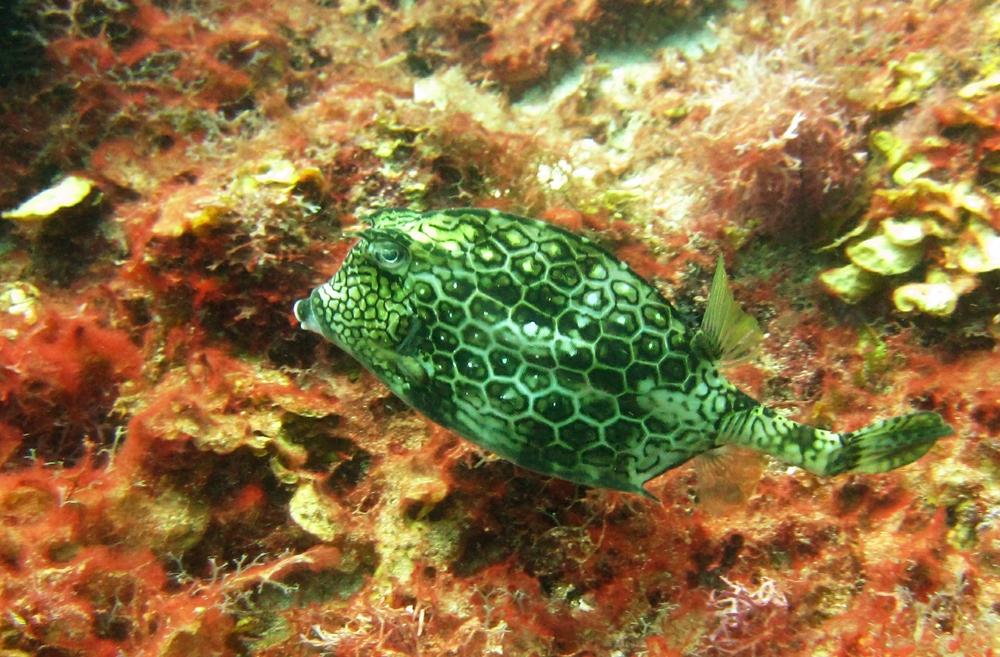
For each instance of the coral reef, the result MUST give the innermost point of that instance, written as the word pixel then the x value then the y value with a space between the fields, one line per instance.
pixel 183 471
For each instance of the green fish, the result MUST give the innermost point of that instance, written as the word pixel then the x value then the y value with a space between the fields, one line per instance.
pixel 541 347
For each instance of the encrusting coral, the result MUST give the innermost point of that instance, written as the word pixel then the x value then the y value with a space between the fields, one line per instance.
pixel 186 472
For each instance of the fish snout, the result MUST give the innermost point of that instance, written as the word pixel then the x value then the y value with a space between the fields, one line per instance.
pixel 303 312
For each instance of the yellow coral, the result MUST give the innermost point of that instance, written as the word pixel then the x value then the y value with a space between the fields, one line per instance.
pixel 314 512
pixel 881 255
pixel 980 251
pixel 905 82
pixel 70 191
pixel 20 300
pixel 938 296
pixel 850 283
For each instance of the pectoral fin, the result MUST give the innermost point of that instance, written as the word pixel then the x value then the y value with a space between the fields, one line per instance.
pixel 406 368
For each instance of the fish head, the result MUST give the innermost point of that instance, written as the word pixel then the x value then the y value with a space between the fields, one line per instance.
pixel 369 307
pixel 365 304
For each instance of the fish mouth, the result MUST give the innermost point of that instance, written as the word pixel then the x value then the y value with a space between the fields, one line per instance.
pixel 303 312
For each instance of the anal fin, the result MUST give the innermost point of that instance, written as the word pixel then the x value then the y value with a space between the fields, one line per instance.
pixel 726 477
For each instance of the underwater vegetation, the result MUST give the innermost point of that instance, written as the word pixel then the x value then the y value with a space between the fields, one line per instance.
pixel 184 471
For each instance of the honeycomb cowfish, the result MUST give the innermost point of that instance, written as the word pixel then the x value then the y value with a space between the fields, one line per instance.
pixel 541 347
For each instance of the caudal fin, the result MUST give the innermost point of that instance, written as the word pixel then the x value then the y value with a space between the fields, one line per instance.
pixel 888 444
pixel 879 447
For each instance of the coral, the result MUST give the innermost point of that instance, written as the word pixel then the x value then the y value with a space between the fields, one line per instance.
pixel 60 370
pixel 794 171
pixel 522 45
pixel 69 192
pixel 745 617
pixel 932 209
pixel 183 471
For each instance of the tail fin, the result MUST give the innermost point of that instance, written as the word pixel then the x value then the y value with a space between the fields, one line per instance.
pixel 889 444
pixel 879 447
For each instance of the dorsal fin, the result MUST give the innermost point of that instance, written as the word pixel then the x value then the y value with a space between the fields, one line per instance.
pixel 730 335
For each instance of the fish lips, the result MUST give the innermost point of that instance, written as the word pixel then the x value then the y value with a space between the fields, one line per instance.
pixel 303 312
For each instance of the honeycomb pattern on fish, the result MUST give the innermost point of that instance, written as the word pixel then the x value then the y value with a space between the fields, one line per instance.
pixel 538 345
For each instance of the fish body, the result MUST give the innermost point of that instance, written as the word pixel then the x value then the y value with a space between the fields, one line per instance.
pixel 538 345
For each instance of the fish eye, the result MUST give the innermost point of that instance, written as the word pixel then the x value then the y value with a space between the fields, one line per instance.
pixel 389 255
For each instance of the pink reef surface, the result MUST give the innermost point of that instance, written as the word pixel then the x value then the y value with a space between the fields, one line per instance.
pixel 186 473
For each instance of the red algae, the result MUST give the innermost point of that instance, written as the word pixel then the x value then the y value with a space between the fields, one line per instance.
pixel 184 471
